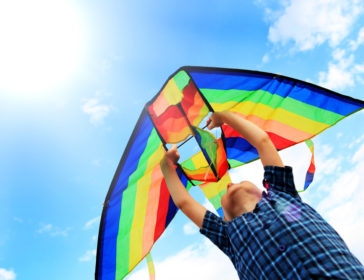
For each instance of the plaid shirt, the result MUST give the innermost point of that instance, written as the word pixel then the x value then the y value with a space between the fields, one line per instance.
pixel 283 238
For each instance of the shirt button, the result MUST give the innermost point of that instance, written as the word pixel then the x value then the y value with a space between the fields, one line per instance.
pixel 282 248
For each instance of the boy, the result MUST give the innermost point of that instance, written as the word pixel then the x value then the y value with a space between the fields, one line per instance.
pixel 271 234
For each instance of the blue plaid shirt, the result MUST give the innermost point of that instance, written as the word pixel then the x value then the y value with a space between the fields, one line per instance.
pixel 283 238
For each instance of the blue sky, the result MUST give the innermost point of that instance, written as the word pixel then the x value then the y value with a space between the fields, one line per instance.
pixel 74 77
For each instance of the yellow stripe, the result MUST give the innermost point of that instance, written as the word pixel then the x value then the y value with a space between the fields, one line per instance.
pixel 141 200
pixel 199 160
pixel 218 107
pixel 212 189
pixel 172 93
pixel 265 112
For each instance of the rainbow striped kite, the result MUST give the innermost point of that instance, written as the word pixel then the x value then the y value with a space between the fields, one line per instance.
pixel 138 206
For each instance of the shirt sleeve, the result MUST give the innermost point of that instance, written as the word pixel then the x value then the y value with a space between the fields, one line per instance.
pixel 280 179
pixel 215 228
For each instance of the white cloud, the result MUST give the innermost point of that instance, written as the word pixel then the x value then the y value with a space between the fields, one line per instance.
pixel 53 230
pixel 359 154
pixel 91 223
pixel 358 140
pixel 359 40
pixel 45 228
pixel 198 261
pixel 310 23
pixel 340 73
pixel 18 220
pixel 96 162
pixel 343 207
pixel 190 228
pixel 265 58
pixel 106 65
pixel 95 110
pixel 7 274
pixel 326 163
pixel 342 190
pixel 87 256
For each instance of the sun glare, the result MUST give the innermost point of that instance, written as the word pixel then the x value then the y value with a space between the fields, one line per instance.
pixel 41 44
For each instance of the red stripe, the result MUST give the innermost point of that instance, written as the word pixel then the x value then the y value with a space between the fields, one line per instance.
pixel 189 93
pixel 171 123
pixel 311 168
pixel 192 104
pixel 202 175
pixel 162 210
pixel 278 141
pixel 222 164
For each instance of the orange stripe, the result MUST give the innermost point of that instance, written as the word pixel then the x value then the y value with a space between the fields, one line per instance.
pixel 278 128
pixel 176 137
pixel 160 105
pixel 152 209
pixel 196 112
pixel 201 174
pixel 175 124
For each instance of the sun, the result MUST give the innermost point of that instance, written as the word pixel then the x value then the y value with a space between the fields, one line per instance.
pixel 41 44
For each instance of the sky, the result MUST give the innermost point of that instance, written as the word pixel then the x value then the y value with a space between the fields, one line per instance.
pixel 74 77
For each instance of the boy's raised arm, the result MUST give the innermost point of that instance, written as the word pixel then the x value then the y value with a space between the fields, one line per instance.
pixel 252 133
pixel 183 200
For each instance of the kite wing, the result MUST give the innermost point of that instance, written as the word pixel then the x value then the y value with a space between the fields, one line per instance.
pixel 138 206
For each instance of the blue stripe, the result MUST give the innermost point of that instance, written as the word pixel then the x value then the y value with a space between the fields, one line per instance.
pixel 111 221
pixel 172 208
pixel 308 180
pixel 281 86
pixel 220 212
pixel 239 149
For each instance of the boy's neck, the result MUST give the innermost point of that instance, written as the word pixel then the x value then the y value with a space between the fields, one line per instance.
pixel 251 203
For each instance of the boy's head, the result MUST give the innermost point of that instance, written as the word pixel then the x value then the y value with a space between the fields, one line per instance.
pixel 240 198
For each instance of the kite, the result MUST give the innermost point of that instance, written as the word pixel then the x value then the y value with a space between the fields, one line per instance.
pixel 138 207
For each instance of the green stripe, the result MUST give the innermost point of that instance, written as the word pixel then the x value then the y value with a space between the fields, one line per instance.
pixel 208 142
pixel 189 184
pixel 188 164
pixel 309 143
pixel 216 200
pixel 127 207
pixel 181 79
pixel 196 183
pixel 234 163
pixel 273 101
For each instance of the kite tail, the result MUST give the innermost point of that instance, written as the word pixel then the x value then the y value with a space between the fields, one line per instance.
pixel 311 169
pixel 150 267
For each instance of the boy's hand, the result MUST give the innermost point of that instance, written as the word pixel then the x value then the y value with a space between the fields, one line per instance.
pixel 215 120
pixel 181 198
pixel 171 157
